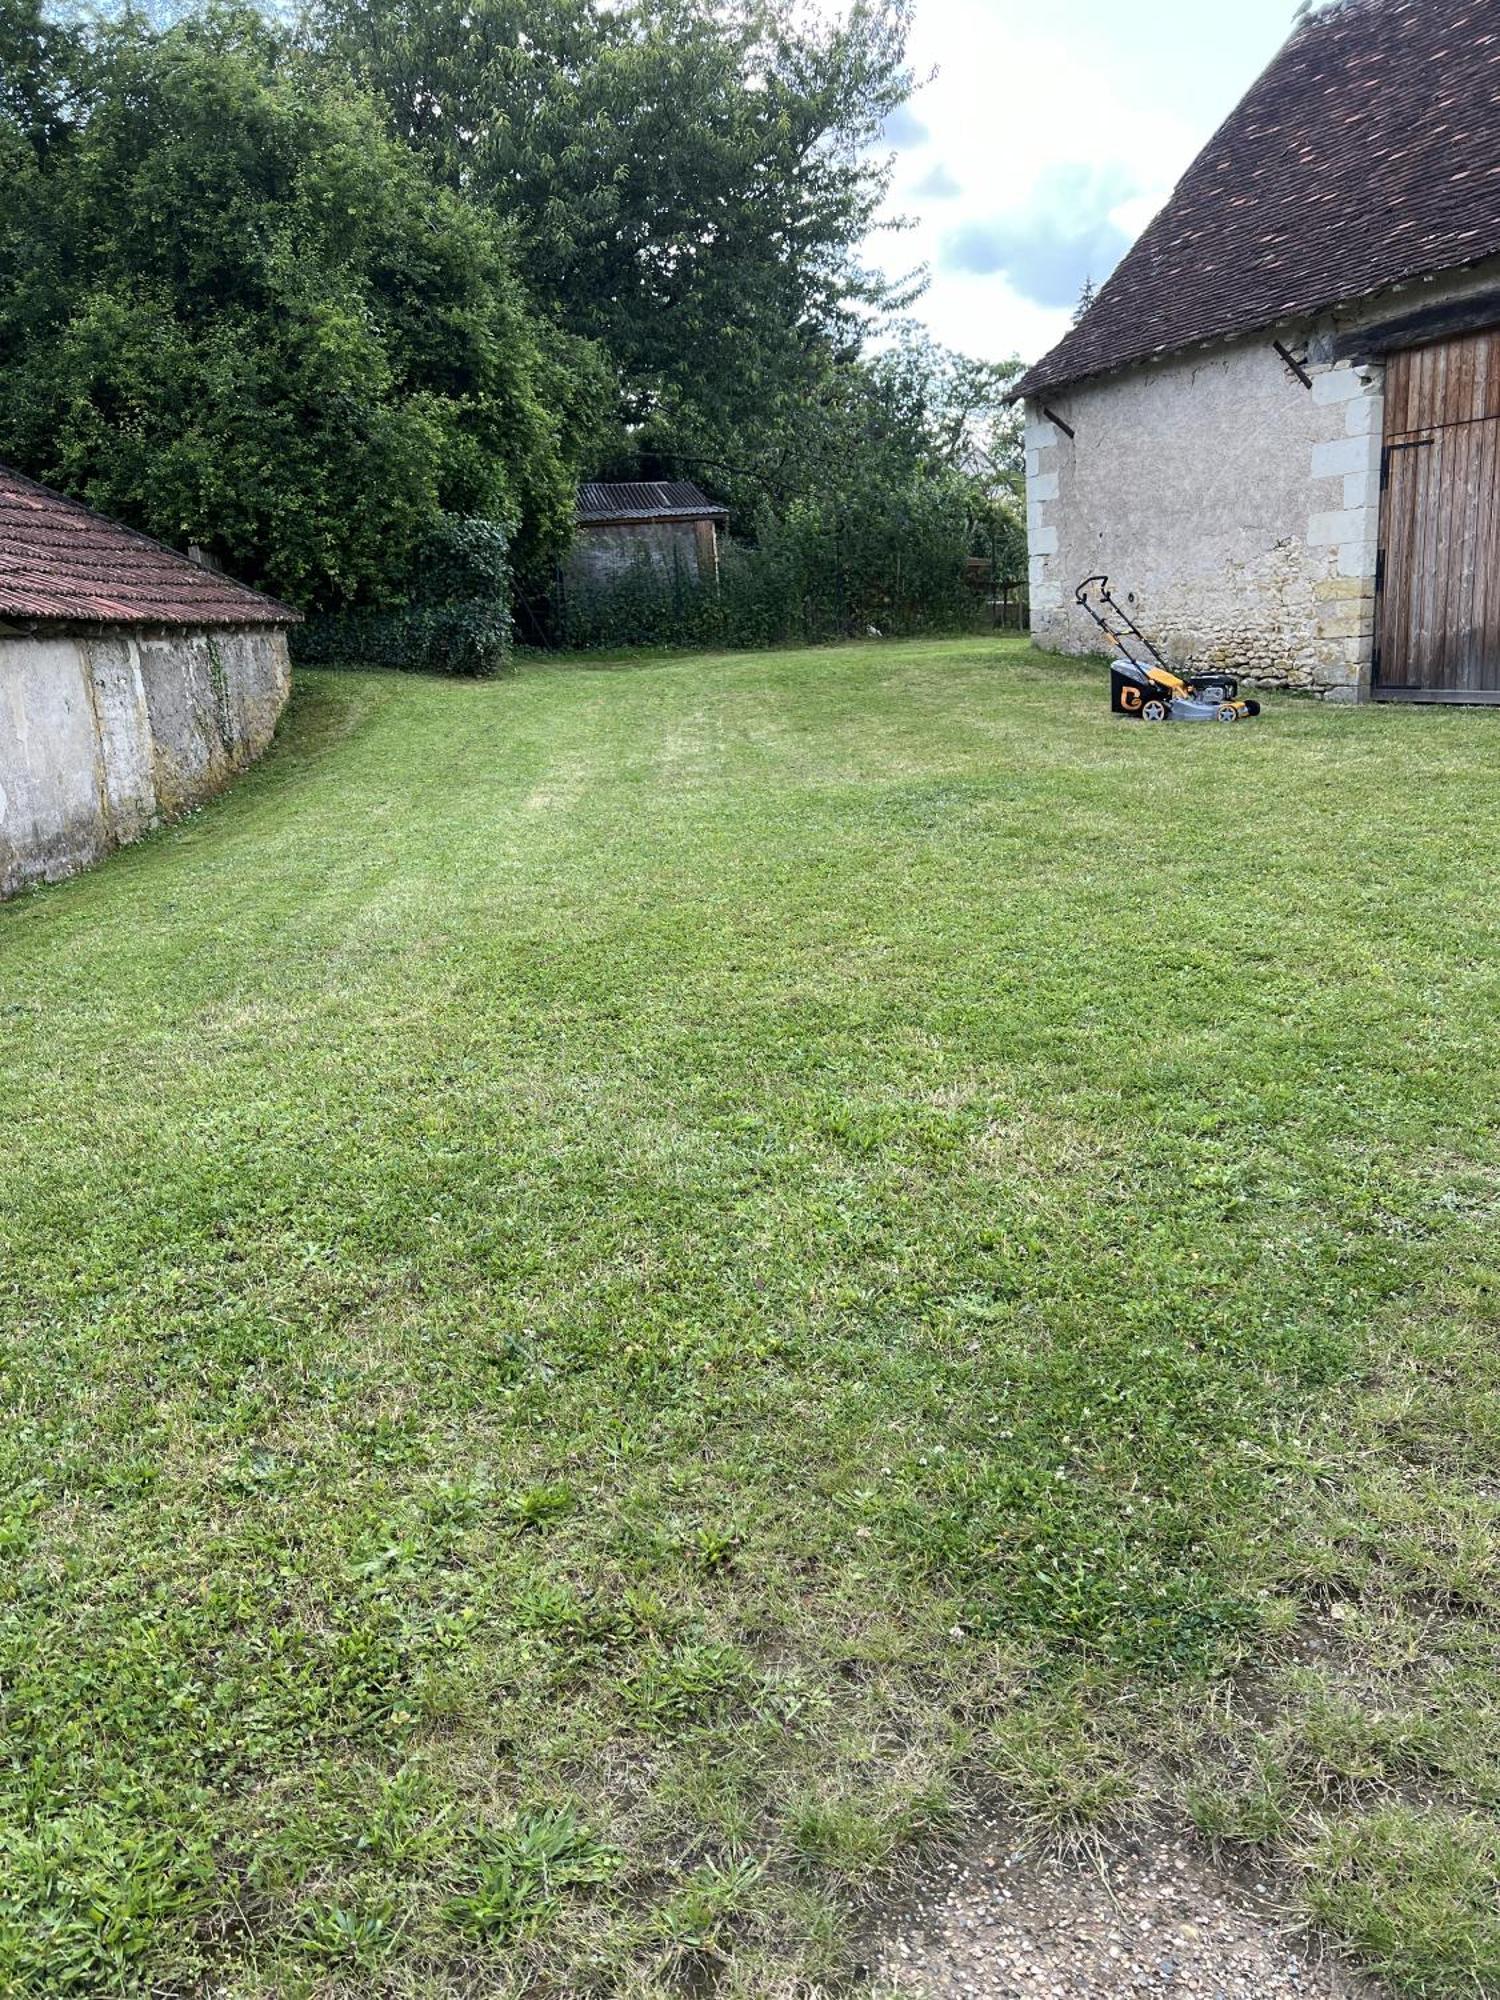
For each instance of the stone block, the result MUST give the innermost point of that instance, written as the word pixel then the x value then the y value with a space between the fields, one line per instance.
pixel 1341 626
pixel 1365 416
pixel 1362 489
pixel 1043 541
pixel 1349 524
pixel 1043 487
pixel 1339 385
pixel 1358 560
pixel 1040 433
pixel 1339 457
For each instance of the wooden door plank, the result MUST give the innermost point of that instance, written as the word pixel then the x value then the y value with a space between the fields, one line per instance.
pixel 1487 569
pixel 1437 470
pixel 1481 456
pixel 1485 376
pixel 1444 505
pixel 1416 580
pixel 1410 582
pixel 1464 656
pixel 1485 602
pixel 1397 394
pixel 1396 610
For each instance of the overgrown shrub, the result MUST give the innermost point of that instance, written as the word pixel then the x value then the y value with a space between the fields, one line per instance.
pixel 456 619
pixel 235 310
pixel 898 568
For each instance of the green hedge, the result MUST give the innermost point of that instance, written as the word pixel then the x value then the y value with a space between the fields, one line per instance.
pixel 807 578
pixel 455 621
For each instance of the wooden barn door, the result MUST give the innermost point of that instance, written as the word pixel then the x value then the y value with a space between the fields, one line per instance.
pixel 1439 589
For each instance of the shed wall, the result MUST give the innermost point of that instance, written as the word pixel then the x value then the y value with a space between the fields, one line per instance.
pixel 599 556
pixel 105 736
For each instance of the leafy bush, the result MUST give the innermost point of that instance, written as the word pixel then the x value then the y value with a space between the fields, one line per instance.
pixel 897 564
pixel 456 619
pixel 236 310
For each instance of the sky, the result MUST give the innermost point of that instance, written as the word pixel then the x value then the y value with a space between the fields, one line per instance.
pixel 1049 136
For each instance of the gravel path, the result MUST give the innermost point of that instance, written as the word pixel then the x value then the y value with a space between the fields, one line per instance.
pixel 1154 1919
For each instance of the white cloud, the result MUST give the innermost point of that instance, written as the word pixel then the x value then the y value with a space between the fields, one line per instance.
pixel 937 185
pixel 1040 152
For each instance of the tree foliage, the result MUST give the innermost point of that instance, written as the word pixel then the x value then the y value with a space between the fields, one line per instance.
pixel 690 185
pixel 235 310
pixel 310 295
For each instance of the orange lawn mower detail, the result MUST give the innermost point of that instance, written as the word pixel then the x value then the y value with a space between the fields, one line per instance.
pixel 1145 688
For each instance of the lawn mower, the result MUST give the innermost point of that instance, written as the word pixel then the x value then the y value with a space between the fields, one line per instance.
pixel 1147 689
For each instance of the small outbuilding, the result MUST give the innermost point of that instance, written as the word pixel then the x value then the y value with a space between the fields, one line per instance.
pixel 670 525
pixel 133 682
pixel 1277 428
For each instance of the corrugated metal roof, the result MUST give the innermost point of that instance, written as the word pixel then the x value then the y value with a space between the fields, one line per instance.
pixel 603 505
pixel 1367 155
pixel 61 560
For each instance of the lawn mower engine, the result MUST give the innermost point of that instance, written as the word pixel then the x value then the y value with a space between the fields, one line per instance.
pixel 1146 689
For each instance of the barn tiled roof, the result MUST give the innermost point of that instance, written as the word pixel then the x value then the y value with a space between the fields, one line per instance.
pixel 1368 154
pixel 61 560
pixel 645 500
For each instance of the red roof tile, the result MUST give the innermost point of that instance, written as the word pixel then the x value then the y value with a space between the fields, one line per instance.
pixel 1367 155
pixel 61 560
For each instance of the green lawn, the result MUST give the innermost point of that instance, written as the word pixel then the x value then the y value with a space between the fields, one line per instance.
pixel 629 1289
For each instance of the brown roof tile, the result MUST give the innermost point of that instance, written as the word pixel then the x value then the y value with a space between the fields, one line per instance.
pixel 61 560
pixel 1365 156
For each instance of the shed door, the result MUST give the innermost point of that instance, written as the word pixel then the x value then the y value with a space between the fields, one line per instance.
pixel 1439 612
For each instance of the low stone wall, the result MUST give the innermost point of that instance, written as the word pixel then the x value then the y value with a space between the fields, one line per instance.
pixel 105 734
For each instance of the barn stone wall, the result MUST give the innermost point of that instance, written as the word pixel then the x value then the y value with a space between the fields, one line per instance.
pixel 1235 510
pixel 104 735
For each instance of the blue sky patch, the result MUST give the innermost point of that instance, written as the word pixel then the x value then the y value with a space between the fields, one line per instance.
pixel 1065 235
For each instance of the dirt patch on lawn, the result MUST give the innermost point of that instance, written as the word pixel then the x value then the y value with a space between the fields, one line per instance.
pixel 1151 1917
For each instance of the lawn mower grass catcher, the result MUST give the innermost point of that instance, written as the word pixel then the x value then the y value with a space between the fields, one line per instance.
pixel 1147 689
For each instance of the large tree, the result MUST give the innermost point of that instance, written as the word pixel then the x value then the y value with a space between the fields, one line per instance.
pixel 235 309
pixel 689 185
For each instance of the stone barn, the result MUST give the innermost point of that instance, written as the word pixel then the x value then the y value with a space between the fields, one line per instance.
pixel 1277 429
pixel 133 682
pixel 669 524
